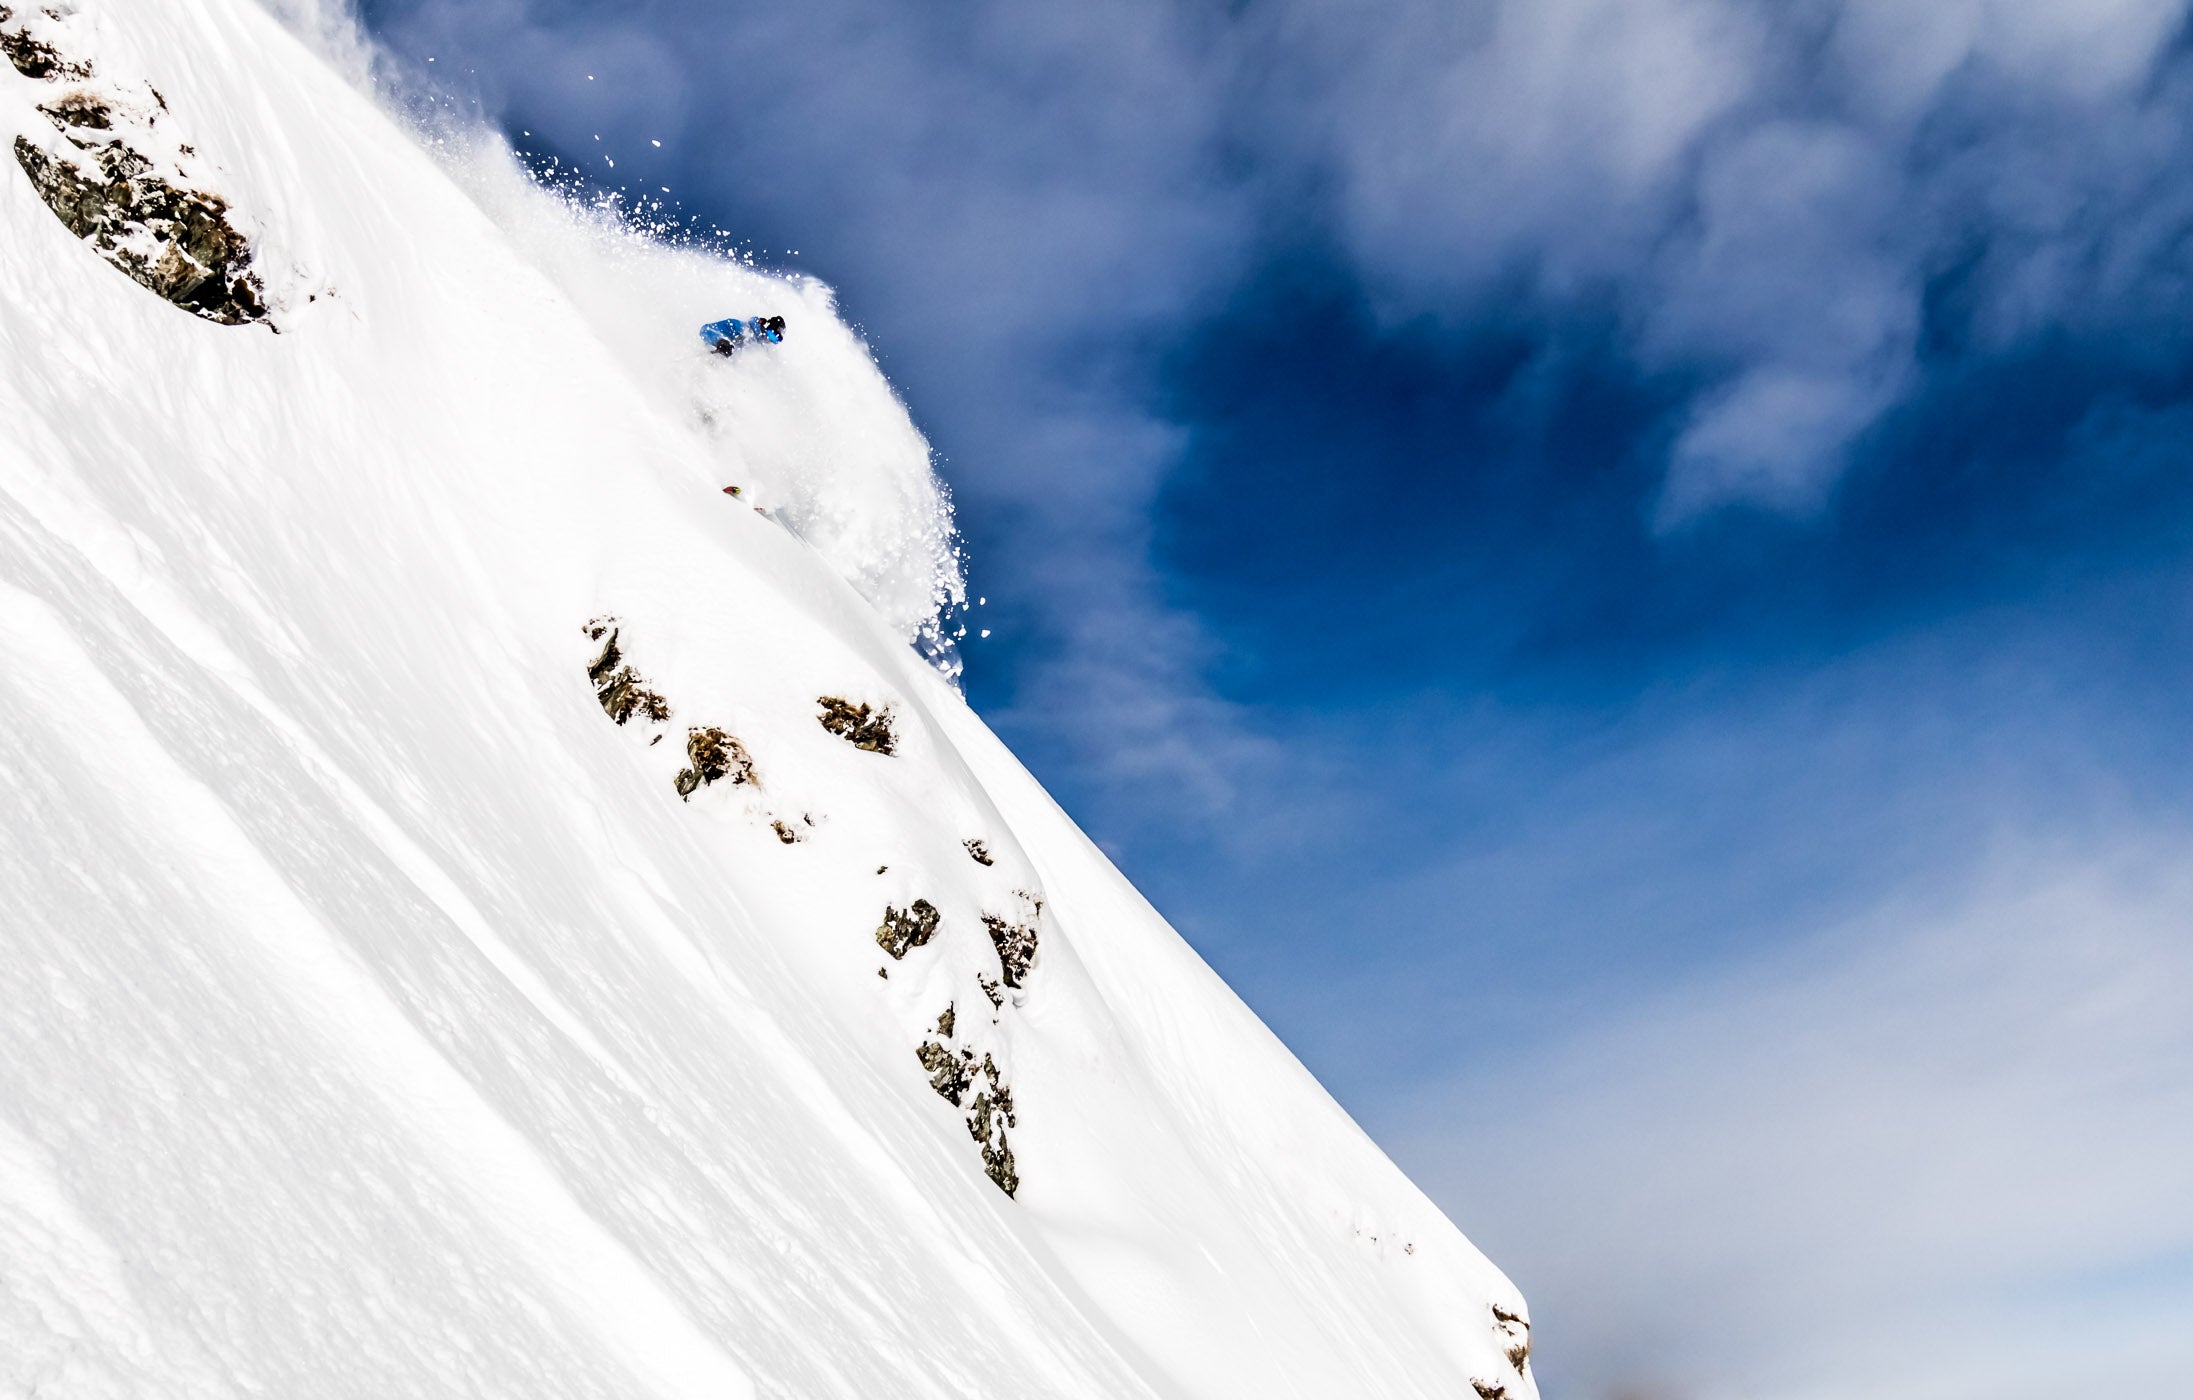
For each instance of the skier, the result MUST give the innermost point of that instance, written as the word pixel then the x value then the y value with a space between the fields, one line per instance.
pixel 727 335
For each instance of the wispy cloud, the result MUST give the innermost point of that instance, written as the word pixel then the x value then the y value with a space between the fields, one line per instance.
pixel 1772 192
pixel 1936 1150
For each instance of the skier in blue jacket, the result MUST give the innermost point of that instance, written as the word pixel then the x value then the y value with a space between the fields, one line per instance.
pixel 727 335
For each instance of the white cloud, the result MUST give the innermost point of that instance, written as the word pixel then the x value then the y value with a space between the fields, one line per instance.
pixel 1765 190
pixel 1466 135
pixel 1791 273
pixel 1939 1151
pixel 1898 54
pixel 1777 436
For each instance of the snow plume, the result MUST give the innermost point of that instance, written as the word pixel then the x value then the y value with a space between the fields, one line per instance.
pixel 809 430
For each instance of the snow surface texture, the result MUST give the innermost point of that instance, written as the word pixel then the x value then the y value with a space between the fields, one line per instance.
pixel 377 1020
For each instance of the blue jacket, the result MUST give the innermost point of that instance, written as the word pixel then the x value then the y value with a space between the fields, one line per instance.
pixel 732 329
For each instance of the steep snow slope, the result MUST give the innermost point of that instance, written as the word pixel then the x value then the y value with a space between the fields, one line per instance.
pixel 375 1017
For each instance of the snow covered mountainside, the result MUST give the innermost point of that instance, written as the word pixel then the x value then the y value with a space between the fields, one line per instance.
pixel 483 912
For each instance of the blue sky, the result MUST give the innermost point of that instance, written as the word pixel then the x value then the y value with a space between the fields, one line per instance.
pixel 1619 567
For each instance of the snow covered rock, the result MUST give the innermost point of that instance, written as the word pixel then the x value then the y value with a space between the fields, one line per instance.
pixel 32 55
pixel 381 1021
pixel 116 180
pixel 904 930
pixel 954 1072
pixel 620 690
pixel 858 725
pixel 1015 940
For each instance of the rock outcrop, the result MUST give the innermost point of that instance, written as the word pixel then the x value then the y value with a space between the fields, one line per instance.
pixel 859 725
pixel 33 57
pixel 1015 940
pixel 1513 1331
pixel 953 1072
pixel 116 181
pixel 712 756
pixel 960 1071
pixel 620 689
pixel 905 929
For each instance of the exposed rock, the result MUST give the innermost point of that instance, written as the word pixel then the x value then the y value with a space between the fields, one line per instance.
pixel 1515 1332
pixel 953 1071
pixel 983 1117
pixel 949 1074
pixel 1016 942
pixel 789 835
pixel 858 725
pixel 997 1160
pixel 107 185
pixel 712 756
pixel 992 988
pixel 907 928
pixel 980 852
pixel 80 110
pixel 1489 1390
pixel 987 1119
pixel 34 57
pixel 178 243
pixel 622 696
pixel 622 691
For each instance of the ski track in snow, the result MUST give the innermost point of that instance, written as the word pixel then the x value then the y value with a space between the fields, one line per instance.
pixel 376 1020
